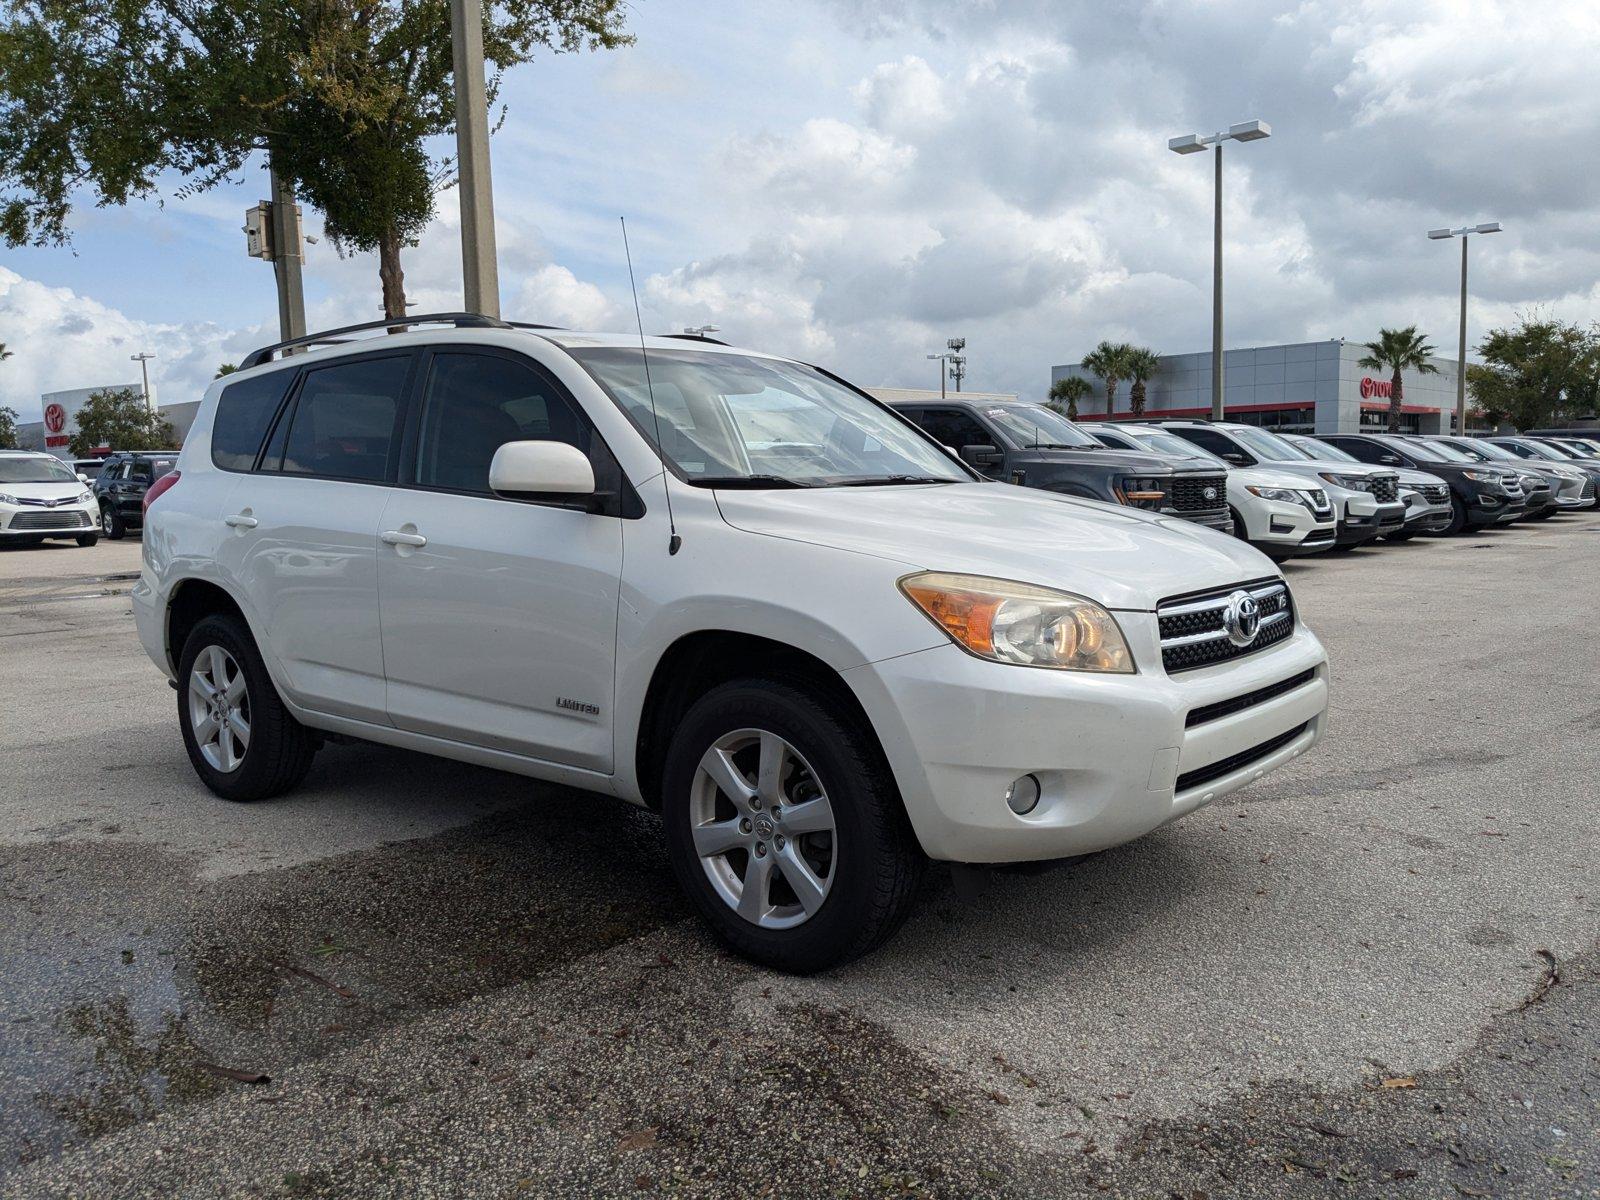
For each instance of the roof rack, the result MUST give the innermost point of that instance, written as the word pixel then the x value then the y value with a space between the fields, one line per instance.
pixel 693 337
pixel 461 320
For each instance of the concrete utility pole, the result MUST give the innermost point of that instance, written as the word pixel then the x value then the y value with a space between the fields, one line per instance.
pixel 1191 143
pixel 1463 233
pixel 143 358
pixel 288 252
pixel 479 273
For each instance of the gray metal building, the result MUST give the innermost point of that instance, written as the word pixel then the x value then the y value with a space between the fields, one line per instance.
pixel 1309 387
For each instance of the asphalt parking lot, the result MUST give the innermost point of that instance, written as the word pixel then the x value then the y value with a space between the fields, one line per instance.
pixel 1373 973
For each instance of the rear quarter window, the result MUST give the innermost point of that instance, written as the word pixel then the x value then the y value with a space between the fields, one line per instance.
pixel 244 410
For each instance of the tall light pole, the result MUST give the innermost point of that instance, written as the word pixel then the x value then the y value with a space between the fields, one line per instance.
pixel 480 276
pixel 1461 359
pixel 143 358
pixel 941 359
pixel 1193 143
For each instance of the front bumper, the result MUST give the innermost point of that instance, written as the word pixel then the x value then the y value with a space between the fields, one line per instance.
pixel 1113 753
pixel 1489 508
pixel 1212 518
pixel 1363 522
pixel 1281 528
pixel 68 520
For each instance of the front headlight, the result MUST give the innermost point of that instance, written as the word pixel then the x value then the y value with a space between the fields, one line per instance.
pixel 1484 476
pixel 1315 499
pixel 7 499
pixel 1018 623
pixel 1283 495
pixel 1354 483
pixel 84 497
pixel 1142 491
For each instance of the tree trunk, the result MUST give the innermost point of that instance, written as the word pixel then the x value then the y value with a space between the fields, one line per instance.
pixel 392 274
pixel 1395 394
pixel 1136 398
pixel 1111 396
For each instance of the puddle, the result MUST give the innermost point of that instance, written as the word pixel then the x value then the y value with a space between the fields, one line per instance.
pixel 128 978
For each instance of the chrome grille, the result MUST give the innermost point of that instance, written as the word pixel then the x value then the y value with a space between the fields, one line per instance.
pixel 1436 493
pixel 1189 492
pixel 1192 632
pixel 50 520
pixel 1385 488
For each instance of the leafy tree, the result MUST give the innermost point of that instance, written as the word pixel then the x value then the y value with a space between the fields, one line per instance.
pixel 1398 350
pixel 101 97
pixel 1142 364
pixel 119 418
pixel 1109 361
pixel 1536 371
pixel 8 428
pixel 1065 394
pixel 230 368
pixel 4 353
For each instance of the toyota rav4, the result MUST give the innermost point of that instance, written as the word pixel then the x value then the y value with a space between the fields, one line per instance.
pixel 717 583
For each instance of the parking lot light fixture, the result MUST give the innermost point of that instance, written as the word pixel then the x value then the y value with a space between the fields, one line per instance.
pixel 1193 143
pixel 942 360
pixel 143 359
pixel 1464 232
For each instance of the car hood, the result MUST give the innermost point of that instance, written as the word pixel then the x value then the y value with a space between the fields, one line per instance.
pixel 1131 461
pixel 1118 557
pixel 1336 466
pixel 1413 477
pixel 44 491
pixel 1267 477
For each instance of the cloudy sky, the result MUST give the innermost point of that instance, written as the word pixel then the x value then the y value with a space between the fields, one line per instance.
pixel 853 181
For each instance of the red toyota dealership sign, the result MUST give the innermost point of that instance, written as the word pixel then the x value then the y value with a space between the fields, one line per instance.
pixel 55 418
pixel 1376 387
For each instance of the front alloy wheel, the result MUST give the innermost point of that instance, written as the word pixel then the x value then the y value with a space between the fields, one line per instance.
pixel 219 709
pixel 763 828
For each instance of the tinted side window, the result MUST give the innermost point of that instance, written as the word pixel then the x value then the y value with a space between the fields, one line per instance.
pixel 1208 439
pixel 244 410
pixel 1365 451
pixel 954 428
pixel 474 404
pixel 343 423
pixel 140 471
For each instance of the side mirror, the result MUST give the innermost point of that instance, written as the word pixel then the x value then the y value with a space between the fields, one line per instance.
pixel 1237 458
pixel 1389 460
pixel 526 470
pixel 982 456
pixel 82 478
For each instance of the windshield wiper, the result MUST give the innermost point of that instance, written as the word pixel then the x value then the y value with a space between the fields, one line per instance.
pixel 880 480
pixel 749 481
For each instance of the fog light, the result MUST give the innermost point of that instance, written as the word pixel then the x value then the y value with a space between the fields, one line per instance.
pixel 1022 797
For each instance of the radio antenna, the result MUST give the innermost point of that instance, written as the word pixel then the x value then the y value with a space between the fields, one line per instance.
pixel 673 540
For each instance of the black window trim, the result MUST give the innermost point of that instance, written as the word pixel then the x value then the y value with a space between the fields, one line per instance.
pixel 997 436
pixel 626 505
pixel 291 403
pixel 290 393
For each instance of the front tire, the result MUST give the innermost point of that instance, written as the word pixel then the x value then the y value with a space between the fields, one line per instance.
pixel 785 827
pixel 112 524
pixel 1458 517
pixel 241 740
pixel 88 539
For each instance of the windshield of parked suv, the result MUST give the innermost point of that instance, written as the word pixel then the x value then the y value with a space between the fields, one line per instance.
pixel 1167 443
pixel 1447 453
pixel 1535 450
pixel 1035 427
pixel 734 420
pixel 1562 451
pixel 34 470
pixel 1313 449
pixel 1266 445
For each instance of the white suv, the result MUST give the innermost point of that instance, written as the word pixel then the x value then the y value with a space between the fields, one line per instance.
pixel 717 583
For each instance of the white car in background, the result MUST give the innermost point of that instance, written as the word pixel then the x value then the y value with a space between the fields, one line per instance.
pixel 41 497
pixel 1280 514
pixel 1427 497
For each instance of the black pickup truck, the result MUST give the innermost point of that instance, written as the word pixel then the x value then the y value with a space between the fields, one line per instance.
pixel 1034 446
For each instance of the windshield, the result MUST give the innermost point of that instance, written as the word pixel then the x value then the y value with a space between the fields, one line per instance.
pixel 1266 445
pixel 1444 452
pixel 1323 450
pixel 1562 451
pixel 1482 449
pixel 1169 443
pixel 1033 426
pixel 41 469
pixel 1587 447
pixel 731 420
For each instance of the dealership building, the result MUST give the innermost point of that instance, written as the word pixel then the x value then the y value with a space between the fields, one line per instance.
pixel 1307 387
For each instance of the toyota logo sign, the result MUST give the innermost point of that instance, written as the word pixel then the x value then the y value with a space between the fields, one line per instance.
pixel 55 418
pixel 1241 620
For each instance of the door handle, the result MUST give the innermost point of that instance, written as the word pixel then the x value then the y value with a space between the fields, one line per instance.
pixel 240 521
pixel 395 538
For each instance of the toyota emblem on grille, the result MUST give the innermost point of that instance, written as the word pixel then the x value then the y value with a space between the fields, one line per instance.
pixel 1210 493
pixel 1241 620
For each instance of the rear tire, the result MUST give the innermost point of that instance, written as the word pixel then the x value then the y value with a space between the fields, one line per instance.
pixel 112 524
pixel 867 862
pixel 241 740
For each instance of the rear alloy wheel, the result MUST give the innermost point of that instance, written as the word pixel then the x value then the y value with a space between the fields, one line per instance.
pixel 785 826
pixel 241 740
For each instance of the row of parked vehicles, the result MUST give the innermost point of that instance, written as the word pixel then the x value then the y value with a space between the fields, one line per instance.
pixel 813 633
pixel 1286 494
pixel 43 497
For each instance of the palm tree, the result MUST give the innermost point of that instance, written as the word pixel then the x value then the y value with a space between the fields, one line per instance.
pixel 1065 394
pixel 1398 350
pixel 4 353
pixel 1142 364
pixel 1109 360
